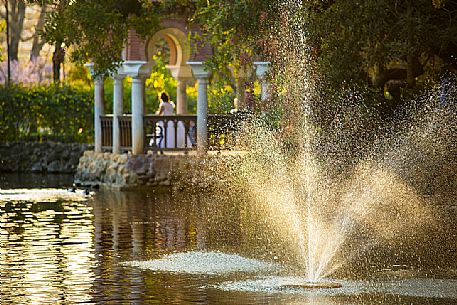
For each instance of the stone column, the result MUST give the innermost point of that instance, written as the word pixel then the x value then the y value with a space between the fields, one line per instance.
pixel 202 75
pixel 261 71
pixel 137 115
pixel 118 110
pixel 99 106
pixel 99 110
pixel 202 115
pixel 139 71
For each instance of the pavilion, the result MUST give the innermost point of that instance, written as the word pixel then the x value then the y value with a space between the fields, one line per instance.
pixel 186 62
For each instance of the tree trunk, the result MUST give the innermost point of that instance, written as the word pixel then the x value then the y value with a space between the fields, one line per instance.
pixel 57 59
pixel 38 43
pixel 17 16
pixel 58 56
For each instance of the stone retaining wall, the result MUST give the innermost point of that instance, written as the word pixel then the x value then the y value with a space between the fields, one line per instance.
pixel 128 171
pixel 48 157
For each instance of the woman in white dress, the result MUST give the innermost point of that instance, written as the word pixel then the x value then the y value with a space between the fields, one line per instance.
pixel 166 107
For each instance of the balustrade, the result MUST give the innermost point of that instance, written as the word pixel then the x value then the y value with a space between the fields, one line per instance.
pixel 107 131
pixel 125 130
pixel 172 133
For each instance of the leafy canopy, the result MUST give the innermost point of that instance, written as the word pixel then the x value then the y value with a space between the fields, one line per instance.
pixel 352 40
pixel 97 30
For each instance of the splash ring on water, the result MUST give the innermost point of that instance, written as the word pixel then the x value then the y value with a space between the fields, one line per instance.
pixel 314 285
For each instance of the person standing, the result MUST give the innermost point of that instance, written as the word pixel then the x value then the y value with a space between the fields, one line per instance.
pixel 167 108
pixel 175 133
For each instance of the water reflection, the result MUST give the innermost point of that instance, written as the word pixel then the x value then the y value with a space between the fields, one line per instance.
pixel 138 226
pixel 46 252
pixel 56 250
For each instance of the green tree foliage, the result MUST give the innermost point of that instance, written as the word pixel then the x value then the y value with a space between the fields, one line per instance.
pixel 350 37
pixel 386 45
pixel 370 42
pixel 235 29
pixel 98 30
pixel 62 112
pixel 379 41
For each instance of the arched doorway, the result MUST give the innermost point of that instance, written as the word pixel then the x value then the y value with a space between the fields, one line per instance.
pixel 179 55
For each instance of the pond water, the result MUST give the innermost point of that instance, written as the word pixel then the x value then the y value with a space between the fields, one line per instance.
pixel 59 247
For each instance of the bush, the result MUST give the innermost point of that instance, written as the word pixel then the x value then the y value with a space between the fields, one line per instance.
pixel 58 112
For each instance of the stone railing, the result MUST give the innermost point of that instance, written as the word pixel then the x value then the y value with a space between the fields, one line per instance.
pixel 172 133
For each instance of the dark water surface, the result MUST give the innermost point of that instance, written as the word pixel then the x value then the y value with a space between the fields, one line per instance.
pixel 60 250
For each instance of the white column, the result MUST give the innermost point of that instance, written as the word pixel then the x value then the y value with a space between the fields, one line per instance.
pixel 261 71
pixel 99 106
pixel 137 115
pixel 264 93
pixel 202 75
pixel 139 71
pixel 118 110
pixel 99 110
pixel 181 96
pixel 202 116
